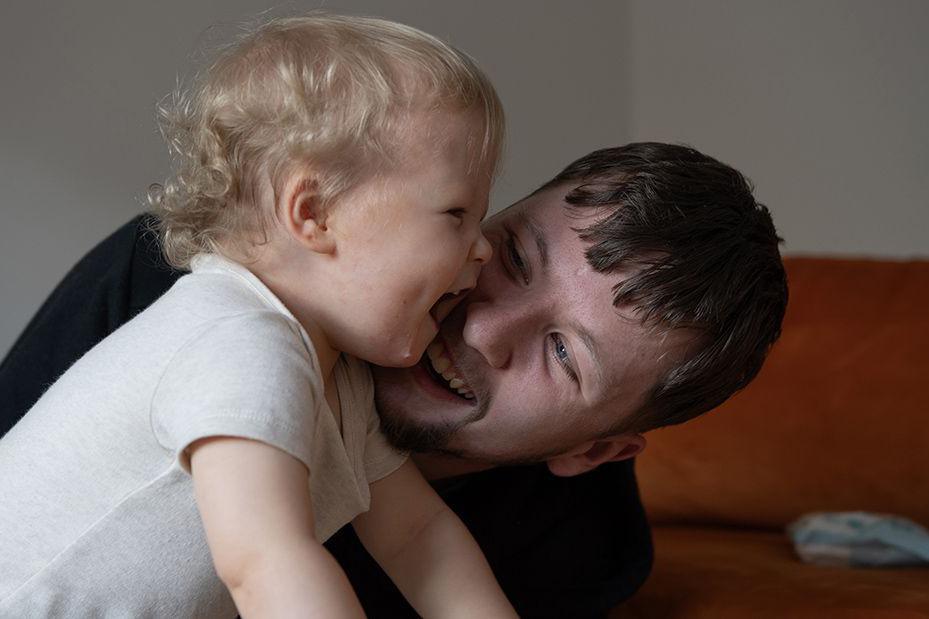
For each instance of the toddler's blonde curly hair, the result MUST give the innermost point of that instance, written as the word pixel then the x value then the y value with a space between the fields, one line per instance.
pixel 324 90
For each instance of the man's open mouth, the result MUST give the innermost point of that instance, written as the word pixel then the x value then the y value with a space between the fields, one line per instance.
pixel 444 373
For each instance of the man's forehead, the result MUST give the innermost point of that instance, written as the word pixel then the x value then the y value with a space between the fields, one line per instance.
pixel 633 355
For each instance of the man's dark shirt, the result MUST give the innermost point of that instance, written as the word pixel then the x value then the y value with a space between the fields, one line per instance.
pixel 560 547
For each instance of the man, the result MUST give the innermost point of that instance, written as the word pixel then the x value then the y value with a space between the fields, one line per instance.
pixel 640 287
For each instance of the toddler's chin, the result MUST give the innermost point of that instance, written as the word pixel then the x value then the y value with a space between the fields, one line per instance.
pixel 408 353
pixel 427 332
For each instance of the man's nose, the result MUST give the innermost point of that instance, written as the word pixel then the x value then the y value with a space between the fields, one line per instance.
pixel 495 329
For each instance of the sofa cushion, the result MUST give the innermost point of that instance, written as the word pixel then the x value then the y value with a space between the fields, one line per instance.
pixel 712 573
pixel 837 420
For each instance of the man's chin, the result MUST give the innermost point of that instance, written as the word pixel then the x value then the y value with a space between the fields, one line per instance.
pixel 418 414
pixel 409 425
pixel 411 436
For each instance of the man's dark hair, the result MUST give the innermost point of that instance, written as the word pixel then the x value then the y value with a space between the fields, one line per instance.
pixel 704 256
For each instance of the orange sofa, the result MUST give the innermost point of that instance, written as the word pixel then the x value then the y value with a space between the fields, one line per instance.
pixel 838 420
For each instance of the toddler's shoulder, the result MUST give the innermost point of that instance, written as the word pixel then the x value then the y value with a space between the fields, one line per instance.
pixel 258 338
pixel 253 360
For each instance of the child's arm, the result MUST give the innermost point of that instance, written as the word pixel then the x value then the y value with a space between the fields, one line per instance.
pixel 255 503
pixel 427 551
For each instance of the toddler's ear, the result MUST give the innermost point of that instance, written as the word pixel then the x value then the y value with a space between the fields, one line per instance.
pixel 304 215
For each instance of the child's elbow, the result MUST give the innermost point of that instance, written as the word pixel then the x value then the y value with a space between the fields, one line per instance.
pixel 242 577
pixel 236 570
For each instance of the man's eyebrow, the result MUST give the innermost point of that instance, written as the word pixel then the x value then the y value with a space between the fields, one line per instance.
pixel 542 247
pixel 591 344
pixel 538 236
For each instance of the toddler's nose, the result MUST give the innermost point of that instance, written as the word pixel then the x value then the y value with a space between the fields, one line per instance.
pixel 481 250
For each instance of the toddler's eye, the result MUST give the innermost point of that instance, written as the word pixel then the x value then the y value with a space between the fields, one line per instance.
pixel 457 213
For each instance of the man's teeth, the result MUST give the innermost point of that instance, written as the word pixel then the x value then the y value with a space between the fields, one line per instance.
pixel 443 366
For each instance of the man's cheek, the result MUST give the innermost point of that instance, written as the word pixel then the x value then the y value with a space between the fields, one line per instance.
pixel 493 277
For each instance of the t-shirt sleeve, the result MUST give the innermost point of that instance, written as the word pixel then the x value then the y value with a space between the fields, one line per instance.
pixel 248 376
pixel 380 457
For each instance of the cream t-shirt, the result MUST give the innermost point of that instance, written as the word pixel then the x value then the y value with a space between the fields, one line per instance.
pixel 98 516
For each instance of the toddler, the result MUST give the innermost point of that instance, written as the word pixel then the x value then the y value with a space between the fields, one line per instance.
pixel 332 173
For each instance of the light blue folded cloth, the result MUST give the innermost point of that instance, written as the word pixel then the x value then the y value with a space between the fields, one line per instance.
pixel 859 539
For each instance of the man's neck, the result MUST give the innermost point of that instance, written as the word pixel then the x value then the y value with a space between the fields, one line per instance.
pixel 440 466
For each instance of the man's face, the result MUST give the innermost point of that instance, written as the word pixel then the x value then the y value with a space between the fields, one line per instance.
pixel 536 360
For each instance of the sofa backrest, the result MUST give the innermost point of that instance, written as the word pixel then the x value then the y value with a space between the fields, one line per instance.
pixel 838 419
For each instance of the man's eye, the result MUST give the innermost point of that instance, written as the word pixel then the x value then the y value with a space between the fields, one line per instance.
pixel 560 353
pixel 515 259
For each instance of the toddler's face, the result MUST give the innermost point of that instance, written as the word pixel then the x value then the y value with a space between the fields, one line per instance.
pixel 408 239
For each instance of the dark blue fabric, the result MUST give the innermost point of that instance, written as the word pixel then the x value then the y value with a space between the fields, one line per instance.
pixel 560 547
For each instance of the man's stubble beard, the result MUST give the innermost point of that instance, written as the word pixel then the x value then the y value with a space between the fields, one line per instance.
pixel 409 434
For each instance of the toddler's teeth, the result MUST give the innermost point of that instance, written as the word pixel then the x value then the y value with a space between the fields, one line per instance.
pixel 455 383
pixel 441 364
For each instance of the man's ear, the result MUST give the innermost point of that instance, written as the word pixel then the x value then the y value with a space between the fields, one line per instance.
pixel 590 455
pixel 303 214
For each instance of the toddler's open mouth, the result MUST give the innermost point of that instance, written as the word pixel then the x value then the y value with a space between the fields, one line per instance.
pixel 444 306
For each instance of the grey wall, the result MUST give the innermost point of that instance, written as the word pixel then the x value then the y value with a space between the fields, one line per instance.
pixel 822 104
